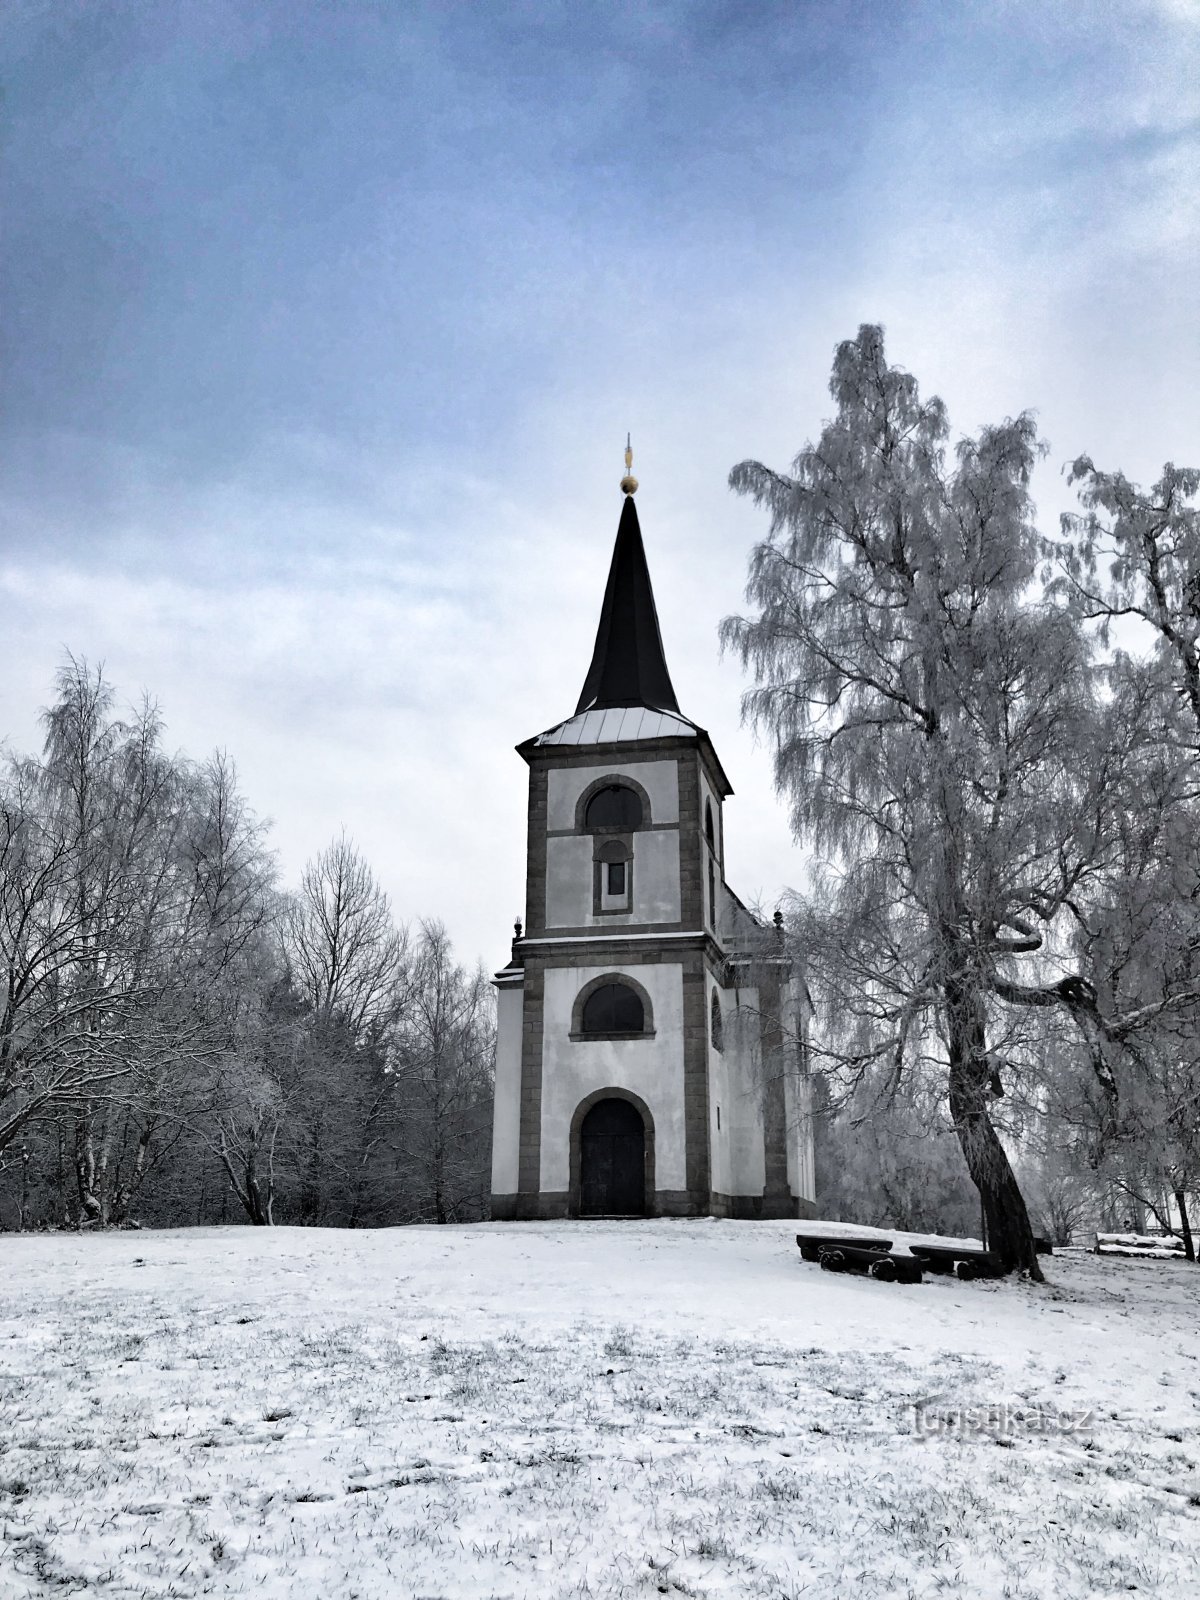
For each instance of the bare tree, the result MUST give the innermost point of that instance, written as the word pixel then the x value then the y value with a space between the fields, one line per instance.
pixel 48 1054
pixel 89 835
pixel 254 1109
pixel 177 1036
pixel 891 1159
pixel 348 964
pixel 446 1064
pixel 130 885
pixel 228 901
pixel 344 949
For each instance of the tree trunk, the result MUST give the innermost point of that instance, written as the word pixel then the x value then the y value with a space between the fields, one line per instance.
pixel 439 1168
pixel 62 1188
pixel 126 1190
pixel 254 1201
pixel 102 1184
pixel 85 1168
pixel 1008 1234
pixel 269 1208
pixel 247 1187
pixel 1185 1226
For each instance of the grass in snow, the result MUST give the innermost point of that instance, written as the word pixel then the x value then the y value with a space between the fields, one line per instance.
pixel 152 1447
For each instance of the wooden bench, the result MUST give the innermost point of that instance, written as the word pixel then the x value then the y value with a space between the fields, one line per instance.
pixel 1143 1246
pixel 811 1244
pixel 876 1264
pixel 964 1261
pixel 858 1253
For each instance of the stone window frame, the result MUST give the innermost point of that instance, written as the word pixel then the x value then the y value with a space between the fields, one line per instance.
pixel 602 837
pixel 575 1191
pixel 606 847
pixel 577 1035
pixel 716 1022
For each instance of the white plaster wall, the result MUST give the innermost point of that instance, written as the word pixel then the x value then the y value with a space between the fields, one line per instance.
pixel 801 1163
pixel 569 883
pixel 655 877
pixel 650 1068
pixel 660 779
pixel 801 1158
pixel 745 1143
pixel 506 1114
pixel 569 877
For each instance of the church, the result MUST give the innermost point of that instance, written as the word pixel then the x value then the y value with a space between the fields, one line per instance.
pixel 650 1054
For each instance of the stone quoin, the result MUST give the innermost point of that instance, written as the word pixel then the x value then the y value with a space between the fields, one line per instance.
pixel 651 1032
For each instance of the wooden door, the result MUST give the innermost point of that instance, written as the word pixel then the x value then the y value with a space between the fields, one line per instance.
pixel 612 1161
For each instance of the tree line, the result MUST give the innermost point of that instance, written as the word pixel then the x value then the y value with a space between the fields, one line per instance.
pixel 988 734
pixel 183 1041
pixel 990 737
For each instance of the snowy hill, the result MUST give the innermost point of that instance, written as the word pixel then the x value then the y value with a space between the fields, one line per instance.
pixel 585 1409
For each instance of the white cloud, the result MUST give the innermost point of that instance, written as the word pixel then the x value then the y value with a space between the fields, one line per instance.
pixel 369 628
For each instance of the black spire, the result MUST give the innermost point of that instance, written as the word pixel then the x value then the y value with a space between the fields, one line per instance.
pixel 628 666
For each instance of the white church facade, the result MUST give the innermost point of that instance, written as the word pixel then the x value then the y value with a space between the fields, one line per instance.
pixel 650 1051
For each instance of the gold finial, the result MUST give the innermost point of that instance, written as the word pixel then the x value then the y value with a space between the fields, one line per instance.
pixel 629 482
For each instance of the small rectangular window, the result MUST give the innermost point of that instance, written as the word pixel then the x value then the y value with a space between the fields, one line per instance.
pixel 616 877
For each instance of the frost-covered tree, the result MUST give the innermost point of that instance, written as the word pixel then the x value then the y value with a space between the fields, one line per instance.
pixel 348 964
pixel 180 1042
pixel 930 716
pixel 229 904
pixel 344 949
pixel 132 884
pixel 1131 564
pixel 1137 945
pixel 1133 554
pixel 445 1066
pixel 890 1159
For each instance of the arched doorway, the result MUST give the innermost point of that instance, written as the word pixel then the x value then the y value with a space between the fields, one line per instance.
pixel 612 1161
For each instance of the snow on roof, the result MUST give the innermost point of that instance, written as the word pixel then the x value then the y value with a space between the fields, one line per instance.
pixel 618 725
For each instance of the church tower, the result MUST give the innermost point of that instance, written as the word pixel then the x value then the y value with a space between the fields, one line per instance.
pixel 650 1051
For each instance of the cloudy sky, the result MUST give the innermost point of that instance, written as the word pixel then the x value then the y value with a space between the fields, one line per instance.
pixel 323 324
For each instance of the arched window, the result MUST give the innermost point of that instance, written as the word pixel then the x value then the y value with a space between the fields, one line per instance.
pixel 616 807
pixel 710 833
pixel 613 1008
pixel 716 1025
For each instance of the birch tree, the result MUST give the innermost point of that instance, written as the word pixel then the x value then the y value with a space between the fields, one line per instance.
pixel 1130 563
pixel 92 983
pixel 131 884
pixel 928 714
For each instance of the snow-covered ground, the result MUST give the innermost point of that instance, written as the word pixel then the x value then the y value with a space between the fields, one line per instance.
pixel 585 1409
